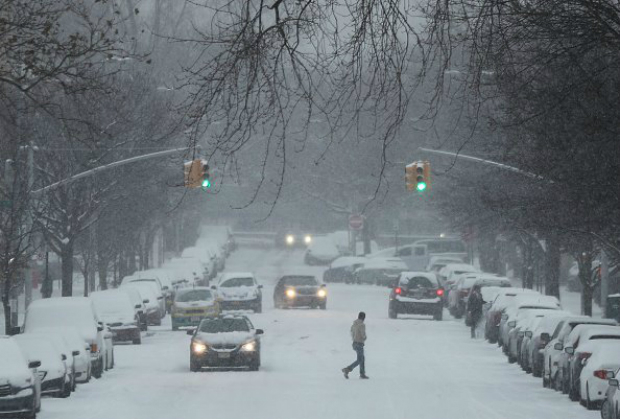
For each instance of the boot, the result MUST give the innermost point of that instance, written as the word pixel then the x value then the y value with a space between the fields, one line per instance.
pixel 346 372
pixel 364 377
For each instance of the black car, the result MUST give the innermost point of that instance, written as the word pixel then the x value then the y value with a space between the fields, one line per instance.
pixel 225 342
pixel 416 293
pixel 299 291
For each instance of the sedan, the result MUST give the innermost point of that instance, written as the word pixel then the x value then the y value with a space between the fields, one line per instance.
pixel 299 291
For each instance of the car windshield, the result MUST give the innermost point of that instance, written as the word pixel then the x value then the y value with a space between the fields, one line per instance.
pixel 193 295
pixel 300 280
pixel 419 282
pixel 238 282
pixel 224 325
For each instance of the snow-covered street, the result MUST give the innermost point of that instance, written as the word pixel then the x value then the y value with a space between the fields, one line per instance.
pixel 418 368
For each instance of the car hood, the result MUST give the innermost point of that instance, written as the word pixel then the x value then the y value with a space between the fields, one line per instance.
pixel 113 318
pixel 16 377
pixel 239 293
pixel 193 304
pixel 230 338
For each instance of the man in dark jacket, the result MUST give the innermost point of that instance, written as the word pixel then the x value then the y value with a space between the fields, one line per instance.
pixel 358 334
pixel 474 307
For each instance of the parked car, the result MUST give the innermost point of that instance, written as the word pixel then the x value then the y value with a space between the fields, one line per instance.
pixel 523 319
pixel 536 339
pixel 228 341
pixel 321 252
pixel 299 290
pixel 553 351
pixel 449 274
pixel 342 269
pixel 153 300
pixel 77 348
pixel 602 362
pixel 139 305
pixel 188 270
pixel 208 257
pixel 380 271
pixel 192 305
pixel 417 255
pixel 55 379
pixel 578 336
pixel 77 312
pixel 239 291
pixel 611 405
pixel 115 308
pixel 153 279
pixel 457 300
pixel 20 390
pixel 490 287
pixel 416 293
pixel 438 261
pixel 162 276
pixel 493 315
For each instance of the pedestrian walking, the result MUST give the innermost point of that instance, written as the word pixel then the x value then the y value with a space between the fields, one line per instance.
pixel 358 334
pixel 474 307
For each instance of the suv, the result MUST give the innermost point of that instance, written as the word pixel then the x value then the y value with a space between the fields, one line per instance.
pixel 299 290
pixel 239 291
pixel 416 293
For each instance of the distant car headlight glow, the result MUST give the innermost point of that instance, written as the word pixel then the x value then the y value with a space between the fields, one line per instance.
pixel 290 293
pixel 322 293
pixel 307 239
pixel 199 348
pixel 249 347
pixel 290 239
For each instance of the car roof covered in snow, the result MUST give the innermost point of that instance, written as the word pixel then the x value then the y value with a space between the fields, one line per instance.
pixel 348 261
pixel 384 263
pixel 230 275
pixel 405 276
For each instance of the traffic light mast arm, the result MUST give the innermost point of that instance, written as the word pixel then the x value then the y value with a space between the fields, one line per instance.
pixel 109 166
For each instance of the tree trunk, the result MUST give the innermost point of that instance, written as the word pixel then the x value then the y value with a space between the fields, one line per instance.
pixel 102 268
pixel 586 300
pixel 66 260
pixel 5 304
pixel 552 266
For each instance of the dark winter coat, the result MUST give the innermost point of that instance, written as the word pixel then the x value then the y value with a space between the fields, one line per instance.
pixel 474 305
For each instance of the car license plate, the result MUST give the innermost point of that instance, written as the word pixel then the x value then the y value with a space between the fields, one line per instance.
pixel 195 319
pixel 223 355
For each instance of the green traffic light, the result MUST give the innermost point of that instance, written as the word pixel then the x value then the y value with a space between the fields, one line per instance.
pixel 206 184
pixel 421 186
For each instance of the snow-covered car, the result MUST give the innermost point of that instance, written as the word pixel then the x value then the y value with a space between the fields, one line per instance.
pixel 611 405
pixel 449 274
pixel 416 293
pixel 227 341
pixel 192 305
pixel 139 305
pixel 77 312
pixel 20 391
pixel 523 303
pixel 206 254
pixel 493 316
pixel 380 271
pixel 299 290
pixel 523 321
pixel 342 269
pixel 553 351
pixel 162 276
pixel 603 360
pixel 239 291
pixel 153 300
pixel 116 310
pixel 189 271
pixel 75 346
pixel 436 262
pixel 538 337
pixel 459 293
pixel 580 335
pixel 321 252
pixel 53 373
pixel 152 278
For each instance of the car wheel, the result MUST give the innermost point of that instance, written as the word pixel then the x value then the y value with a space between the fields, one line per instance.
pixel 589 404
pixel 545 382
pixel 323 306
pixel 438 314
pixel 175 328
pixel 259 308
pixel 194 366
pixel 392 313
pixel 556 383
pixel 98 370
pixel 33 413
pixel 66 391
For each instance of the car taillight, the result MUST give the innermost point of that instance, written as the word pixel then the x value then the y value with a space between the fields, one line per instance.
pixel 464 292
pixel 93 348
pixel 584 355
pixel 439 292
pixel 398 290
pixel 602 374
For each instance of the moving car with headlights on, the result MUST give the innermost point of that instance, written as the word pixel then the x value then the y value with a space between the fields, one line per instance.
pixel 225 341
pixel 322 251
pixel 416 293
pixel 299 291
pixel 20 390
pixel 192 305
pixel 239 291
pixel 292 239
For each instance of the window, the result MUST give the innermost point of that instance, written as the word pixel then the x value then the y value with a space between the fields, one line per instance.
pixel 419 282
pixel 420 251
pixel 300 280
pixel 406 251
pixel 224 325
pixel 238 282
pixel 193 295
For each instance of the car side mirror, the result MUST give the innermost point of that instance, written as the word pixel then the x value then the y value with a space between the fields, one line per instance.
pixel 146 301
pixel 613 382
pixel 75 353
pixel 34 364
pixel 545 336
pixel 137 306
pixel 529 334
pixel 260 331
pixel 213 287
pixel 558 346
pixel 63 357
pixel 569 350
pixel 191 332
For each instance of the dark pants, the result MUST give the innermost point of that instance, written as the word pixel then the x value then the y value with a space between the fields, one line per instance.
pixel 475 318
pixel 359 350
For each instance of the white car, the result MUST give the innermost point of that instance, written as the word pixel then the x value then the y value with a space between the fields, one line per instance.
pixel 239 291
pixel 77 312
pixel 187 271
pixel 449 274
pixel 139 305
pixel 341 269
pixel 553 352
pixel 77 347
pixel 380 271
pixel 321 252
pixel 594 377
pixel 20 389
pixel 153 300
pixel 436 262
pixel 206 254
pixel 55 379
pixel 115 308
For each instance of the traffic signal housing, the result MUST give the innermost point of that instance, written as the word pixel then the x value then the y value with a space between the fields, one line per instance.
pixel 418 176
pixel 197 174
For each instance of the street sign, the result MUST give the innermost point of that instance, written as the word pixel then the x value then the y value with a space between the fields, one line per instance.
pixel 356 222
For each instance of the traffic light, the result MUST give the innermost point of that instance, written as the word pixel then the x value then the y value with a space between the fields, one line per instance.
pixel 418 176
pixel 197 174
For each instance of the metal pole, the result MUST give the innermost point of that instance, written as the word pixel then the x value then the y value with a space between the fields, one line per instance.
pixel 28 270
pixel 604 281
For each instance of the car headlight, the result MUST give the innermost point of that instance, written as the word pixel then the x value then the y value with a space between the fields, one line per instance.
pixel 290 239
pixel 322 293
pixel 290 293
pixel 307 239
pixel 199 347
pixel 249 347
